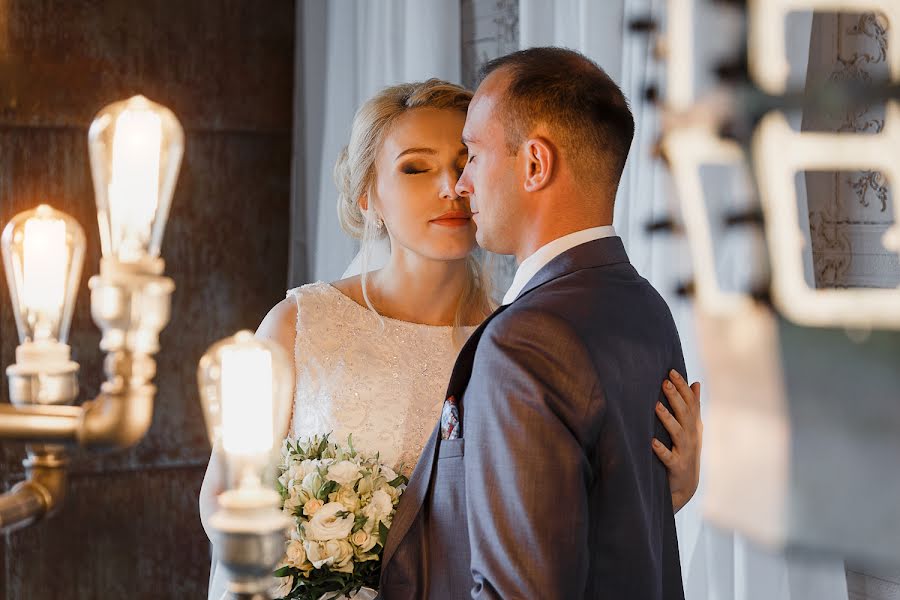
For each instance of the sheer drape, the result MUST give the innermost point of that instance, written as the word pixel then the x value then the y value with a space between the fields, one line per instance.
pixel 348 50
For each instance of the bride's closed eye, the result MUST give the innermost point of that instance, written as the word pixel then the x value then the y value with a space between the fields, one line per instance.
pixel 413 169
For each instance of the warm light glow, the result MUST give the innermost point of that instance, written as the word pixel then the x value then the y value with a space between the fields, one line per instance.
pixel 134 183
pixel 46 256
pixel 43 251
pixel 247 400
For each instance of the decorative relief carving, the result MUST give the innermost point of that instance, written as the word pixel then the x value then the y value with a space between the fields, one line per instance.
pixel 860 55
pixel 831 249
pixel 867 181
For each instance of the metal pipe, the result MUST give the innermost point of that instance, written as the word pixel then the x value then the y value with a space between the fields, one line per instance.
pixel 117 420
pixel 57 424
pixel 22 506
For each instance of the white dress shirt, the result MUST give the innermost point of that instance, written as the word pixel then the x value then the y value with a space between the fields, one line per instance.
pixel 534 263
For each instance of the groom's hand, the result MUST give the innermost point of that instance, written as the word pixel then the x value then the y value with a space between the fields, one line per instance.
pixel 686 429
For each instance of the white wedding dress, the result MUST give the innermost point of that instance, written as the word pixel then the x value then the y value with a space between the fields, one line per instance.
pixel 383 383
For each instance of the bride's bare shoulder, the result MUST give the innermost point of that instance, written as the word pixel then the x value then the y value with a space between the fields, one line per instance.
pixel 280 322
pixel 350 287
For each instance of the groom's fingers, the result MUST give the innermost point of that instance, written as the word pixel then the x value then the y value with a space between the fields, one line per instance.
pixel 670 423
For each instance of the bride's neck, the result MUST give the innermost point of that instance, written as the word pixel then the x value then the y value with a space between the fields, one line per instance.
pixel 418 290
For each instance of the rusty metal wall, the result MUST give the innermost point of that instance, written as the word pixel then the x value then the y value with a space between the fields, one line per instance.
pixel 129 527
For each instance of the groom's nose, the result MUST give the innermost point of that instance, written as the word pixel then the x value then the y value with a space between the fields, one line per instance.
pixel 464 184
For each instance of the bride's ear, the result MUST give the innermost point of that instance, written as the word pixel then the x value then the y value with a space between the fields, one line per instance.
pixel 540 160
pixel 363 202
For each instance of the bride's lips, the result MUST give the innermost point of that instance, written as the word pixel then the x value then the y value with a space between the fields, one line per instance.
pixel 456 218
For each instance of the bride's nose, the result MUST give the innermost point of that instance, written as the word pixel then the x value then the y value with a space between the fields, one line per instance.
pixel 448 187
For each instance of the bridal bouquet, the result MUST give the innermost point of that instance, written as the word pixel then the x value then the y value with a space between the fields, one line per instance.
pixel 342 502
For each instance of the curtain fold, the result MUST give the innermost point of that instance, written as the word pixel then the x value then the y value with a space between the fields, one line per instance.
pixel 350 49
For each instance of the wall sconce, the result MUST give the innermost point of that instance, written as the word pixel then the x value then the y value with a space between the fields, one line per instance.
pixel 135 151
pixel 245 389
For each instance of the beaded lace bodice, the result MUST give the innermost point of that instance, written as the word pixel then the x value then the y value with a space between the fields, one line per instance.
pixel 384 384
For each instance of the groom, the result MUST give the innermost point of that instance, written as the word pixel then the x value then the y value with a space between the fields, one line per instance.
pixel 539 483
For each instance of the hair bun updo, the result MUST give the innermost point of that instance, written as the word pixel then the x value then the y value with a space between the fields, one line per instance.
pixel 350 215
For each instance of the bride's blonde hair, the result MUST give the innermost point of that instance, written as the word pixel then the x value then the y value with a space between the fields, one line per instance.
pixel 354 175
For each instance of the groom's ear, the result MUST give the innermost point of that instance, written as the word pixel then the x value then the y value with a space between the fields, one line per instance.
pixel 540 161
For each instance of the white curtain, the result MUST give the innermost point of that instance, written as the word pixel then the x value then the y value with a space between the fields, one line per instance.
pixel 348 50
pixel 716 565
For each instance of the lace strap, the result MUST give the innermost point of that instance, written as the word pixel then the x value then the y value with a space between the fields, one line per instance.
pixel 295 293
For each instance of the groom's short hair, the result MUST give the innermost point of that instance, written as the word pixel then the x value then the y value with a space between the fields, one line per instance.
pixel 574 97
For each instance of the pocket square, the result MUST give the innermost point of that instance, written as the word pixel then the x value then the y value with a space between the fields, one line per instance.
pixel 450 428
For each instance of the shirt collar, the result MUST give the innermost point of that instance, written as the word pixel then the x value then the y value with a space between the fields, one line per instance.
pixel 534 263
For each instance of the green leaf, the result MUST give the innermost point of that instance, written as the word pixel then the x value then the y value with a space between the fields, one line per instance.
pixel 400 480
pixel 327 488
pixel 382 532
pixel 284 571
pixel 359 522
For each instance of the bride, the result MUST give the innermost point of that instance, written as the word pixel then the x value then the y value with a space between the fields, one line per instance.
pixel 374 351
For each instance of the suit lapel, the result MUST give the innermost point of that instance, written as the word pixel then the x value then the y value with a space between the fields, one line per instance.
pixel 596 253
pixel 414 495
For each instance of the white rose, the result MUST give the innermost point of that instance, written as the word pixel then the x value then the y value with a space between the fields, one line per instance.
pixel 296 555
pixel 312 507
pixel 363 540
pixel 344 472
pixel 315 552
pixel 327 525
pixel 379 507
pixel 300 469
pixel 336 554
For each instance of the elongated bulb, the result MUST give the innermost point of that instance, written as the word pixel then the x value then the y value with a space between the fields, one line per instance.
pixel 246 401
pixel 44 261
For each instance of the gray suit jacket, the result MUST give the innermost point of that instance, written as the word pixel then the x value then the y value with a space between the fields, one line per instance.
pixel 553 491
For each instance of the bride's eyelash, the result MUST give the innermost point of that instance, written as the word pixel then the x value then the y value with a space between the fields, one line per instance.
pixel 410 170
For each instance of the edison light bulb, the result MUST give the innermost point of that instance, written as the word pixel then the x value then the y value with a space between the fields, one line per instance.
pixel 43 253
pixel 135 148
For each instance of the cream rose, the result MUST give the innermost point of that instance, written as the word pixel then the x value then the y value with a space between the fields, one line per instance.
pixel 296 555
pixel 363 540
pixel 327 525
pixel 347 497
pixel 312 507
